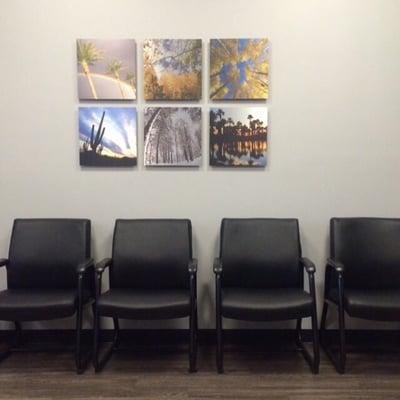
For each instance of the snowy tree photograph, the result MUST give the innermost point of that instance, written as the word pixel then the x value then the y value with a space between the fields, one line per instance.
pixel 172 136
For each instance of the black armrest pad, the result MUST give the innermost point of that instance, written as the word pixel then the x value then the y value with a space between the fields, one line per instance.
pixel 3 262
pixel 84 266
pixel 308 265
pixel 336 265
pixel 192 267
pixel 103 264
pixel 217 266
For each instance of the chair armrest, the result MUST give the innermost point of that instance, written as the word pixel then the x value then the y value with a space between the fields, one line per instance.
pixel 85 266
pixel 192 266
pixel 3 262
pixel 102 265
pixel 308 265
pixel 336 265
pixel 217 267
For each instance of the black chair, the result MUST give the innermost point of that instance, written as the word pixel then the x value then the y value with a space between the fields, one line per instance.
pixel 152 276
pixel 49 275
pixel 362 276
pixel 259 277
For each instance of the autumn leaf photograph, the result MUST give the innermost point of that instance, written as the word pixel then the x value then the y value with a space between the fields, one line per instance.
pixel 172 69
pixel 106 69
pixel 238 137
pixel 172 136
pixel 239 69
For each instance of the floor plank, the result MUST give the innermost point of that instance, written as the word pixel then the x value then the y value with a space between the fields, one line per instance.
pixel 161 373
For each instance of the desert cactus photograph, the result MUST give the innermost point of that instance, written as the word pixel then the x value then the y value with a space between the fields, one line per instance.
pixel 107 137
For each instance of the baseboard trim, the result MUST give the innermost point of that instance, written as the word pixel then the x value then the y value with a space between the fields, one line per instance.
pixel 206 336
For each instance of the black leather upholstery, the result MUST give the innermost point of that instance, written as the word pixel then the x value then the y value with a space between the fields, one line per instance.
pixel 145 304
pixel 259 277
pixel 372 304
pixel 362 275
pixel 152 276
pixel 49 274
pixel 369 248
pixel 262 276
pixel 151 254
pixel 261 253
pixel 38 304
pixel 42 270
pixel 45 253
pixel 265 304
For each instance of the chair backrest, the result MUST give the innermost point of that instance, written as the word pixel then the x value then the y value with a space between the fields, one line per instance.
pixel 261 253
pixel 151 253
pixel 369 248
pixel 44 253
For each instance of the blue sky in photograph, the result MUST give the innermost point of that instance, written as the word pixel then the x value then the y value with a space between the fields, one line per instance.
pixel 226 69
pixel 241 114
pixel 123 50
pixel 120 135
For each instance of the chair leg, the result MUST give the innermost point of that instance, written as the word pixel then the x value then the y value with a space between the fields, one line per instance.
pixel 342 338
pixel 298 333
pixel 96 326
pixel 98 362
pixel 81 360
pixel 220 351
pixel 324 315
pixel 196 333
pixel 314 321
pixel 193 339
pixel 338 362
pixel 16 342
pixel 116 339
pixel 313 361
pixel 18 334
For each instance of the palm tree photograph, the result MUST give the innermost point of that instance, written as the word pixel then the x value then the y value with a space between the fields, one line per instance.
pixel 107 137
pixel 238 137
pixel 172 136
pixel 239 69
pixel 172 69
pixel 106 69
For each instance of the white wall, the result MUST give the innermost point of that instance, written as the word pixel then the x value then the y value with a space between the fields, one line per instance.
pixel 334 118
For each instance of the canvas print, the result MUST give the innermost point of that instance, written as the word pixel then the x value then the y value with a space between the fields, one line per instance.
pixel 172 69
pixel 172 136
pixel 106 69
pixel 239 69
pixel 107 137
pixel 238 137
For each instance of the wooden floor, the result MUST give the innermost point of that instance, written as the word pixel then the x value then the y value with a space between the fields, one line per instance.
pixel 161 373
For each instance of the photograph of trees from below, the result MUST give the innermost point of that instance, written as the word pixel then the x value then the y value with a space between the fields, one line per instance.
pixel 239 69
pixel 107 137
pixel 106 69
pixel 172 136
pixel 238 137
pixel 172 69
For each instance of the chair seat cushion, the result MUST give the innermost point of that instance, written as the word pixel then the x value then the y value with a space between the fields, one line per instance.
pixel 265 304
pixel 144 304
pixel 37 304
pixel 373 304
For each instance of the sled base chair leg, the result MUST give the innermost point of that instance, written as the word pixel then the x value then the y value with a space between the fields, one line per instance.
pixel 338 359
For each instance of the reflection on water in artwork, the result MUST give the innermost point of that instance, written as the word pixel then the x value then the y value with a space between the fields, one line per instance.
pixel 238 137
pixel 240 153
